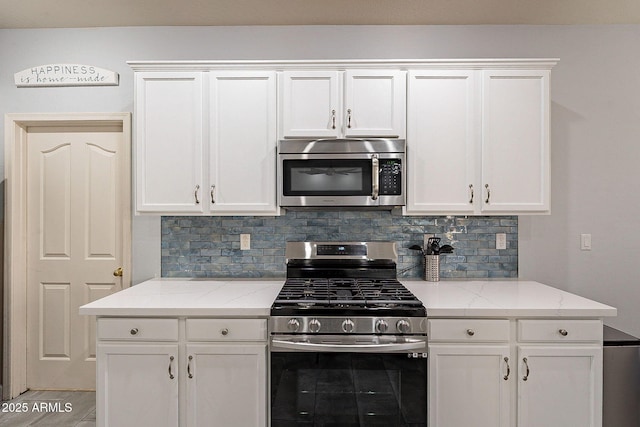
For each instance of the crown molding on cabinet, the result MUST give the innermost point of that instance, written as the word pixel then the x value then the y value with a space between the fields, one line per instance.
pixel 449 64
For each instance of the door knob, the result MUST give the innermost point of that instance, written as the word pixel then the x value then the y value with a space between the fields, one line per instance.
pixel 118 272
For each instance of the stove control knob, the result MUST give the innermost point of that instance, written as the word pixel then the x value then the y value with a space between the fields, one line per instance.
pixel 293 325
pixel 403 326
pixel 348 325
pixel 381 326
pixel 314 325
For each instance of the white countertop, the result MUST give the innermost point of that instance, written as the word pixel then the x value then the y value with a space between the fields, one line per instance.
pixel 253 298
pixel 190 297
pixel 503 299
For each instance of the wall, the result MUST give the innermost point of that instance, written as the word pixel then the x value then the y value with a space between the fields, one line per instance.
pixel 210 246
pixel 595 121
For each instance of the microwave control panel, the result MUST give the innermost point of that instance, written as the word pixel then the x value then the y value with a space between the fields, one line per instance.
pixel 390 177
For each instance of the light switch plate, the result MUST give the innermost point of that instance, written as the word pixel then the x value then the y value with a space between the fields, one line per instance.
pixel 585 242
pixel 501 241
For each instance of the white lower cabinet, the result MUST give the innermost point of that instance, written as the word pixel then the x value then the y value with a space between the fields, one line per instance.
pixel 510 372
pixel 181 372
pixel 467 386
pixel 137 385
pixel 226 385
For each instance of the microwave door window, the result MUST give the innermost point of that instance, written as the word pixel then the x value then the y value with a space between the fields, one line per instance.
pixel 327 177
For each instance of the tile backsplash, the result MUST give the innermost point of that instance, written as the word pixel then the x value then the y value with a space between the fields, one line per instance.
pixel 210 246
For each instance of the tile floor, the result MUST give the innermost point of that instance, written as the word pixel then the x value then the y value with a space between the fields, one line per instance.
pixel 50 409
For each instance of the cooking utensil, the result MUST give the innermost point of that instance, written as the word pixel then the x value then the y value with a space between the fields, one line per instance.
pixel 433 246
pixel 446 249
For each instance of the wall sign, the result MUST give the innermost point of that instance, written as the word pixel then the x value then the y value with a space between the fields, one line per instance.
pixel 65 75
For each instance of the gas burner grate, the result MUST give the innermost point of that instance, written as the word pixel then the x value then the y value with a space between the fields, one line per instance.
pixel 345 292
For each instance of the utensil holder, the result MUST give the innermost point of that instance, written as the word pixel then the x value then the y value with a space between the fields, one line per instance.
pixel 432 268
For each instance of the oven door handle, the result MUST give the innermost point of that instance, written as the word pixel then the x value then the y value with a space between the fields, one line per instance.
pixel 375 177
pixel 416 345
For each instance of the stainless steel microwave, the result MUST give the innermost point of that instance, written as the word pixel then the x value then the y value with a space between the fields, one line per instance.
pixel 341 173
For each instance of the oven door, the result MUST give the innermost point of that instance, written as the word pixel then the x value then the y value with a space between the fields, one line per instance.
pixel 361 381
pixel 354 179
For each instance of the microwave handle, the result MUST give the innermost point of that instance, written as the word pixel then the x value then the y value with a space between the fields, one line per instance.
pixel 375 177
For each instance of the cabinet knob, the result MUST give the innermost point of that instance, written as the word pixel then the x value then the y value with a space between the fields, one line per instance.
pixel 225 332
pixel 134 331
pixel 118 272
pixel 471 332
pixel 563 332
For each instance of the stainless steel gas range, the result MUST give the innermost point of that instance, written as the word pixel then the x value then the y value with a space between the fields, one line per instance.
pixel 348 340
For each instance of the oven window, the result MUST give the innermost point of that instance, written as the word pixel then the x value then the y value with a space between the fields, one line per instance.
pixel 348 389
pixel 327 177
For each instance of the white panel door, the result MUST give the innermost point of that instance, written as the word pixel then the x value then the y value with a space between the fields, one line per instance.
pixel 310 104
pixel 469 385
pixel 559 386
pixel 226 385
pixel 442 130
pixel 138 385
pixel 169 142
pixel 75 229
pixel 242 168
pixel 515 141
pixel 374 103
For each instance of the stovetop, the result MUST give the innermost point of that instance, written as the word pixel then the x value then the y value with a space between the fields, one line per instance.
pixel 346 297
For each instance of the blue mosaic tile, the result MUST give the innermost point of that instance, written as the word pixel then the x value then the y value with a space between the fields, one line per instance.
pixel 209 246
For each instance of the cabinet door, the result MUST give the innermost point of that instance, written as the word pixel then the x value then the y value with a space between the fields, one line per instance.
pixel 515 141
pixel 467 385
pixel 559 386
pixel 374 103
pixel 137 385
pixel 226 385
pixel 311 106
pixel 242 143
pixel 169 142
pixel 442 129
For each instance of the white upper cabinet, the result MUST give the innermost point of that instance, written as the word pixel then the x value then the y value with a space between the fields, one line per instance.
pixel 242 135
pixel 374 103
pixel 478 142
pixel 334 104
pixel 442 141
pixel 169 142
pixel 311 104
pixel 515 141
pixel 213 154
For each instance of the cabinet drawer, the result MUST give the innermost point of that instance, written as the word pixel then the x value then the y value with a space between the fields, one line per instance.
pixel 138 329
pixel 468 330
pixel 559 330
pixel 226 329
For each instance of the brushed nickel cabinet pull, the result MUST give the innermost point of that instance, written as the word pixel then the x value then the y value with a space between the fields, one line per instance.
pixel 213 189
pixel 506 377
pixel 170 365
pixel 471 192
pixel 189 367
pixel 349 118
pixel 526 365
pixel 488 193
pixel 333 119
pixel 195 194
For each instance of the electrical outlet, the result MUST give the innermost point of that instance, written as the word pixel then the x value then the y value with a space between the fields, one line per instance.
pixel 501 241
pixel 245 242
pixel 585 242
